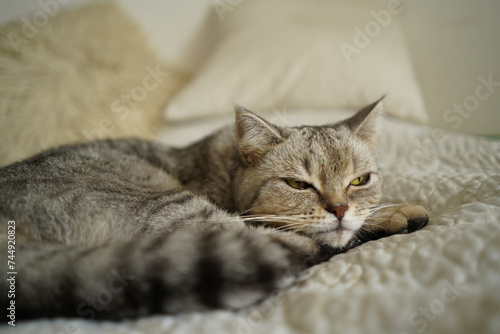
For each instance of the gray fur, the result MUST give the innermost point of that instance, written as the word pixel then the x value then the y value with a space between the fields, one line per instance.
pixel 123 228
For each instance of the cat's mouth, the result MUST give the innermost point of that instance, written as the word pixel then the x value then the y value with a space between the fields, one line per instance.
pixel 337 230
pixel 336 237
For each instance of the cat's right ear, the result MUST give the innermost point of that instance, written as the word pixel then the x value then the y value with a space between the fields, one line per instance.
pixel 255 135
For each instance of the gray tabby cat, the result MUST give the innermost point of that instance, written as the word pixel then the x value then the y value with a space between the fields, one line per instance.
pixel 123 228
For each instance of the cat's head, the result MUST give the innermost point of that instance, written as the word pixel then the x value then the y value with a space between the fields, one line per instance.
pixel 319 181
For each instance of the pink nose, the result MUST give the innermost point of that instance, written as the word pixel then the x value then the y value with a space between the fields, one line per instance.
pixel 338 210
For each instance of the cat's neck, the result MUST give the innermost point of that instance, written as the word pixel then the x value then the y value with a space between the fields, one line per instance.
pixel 208 167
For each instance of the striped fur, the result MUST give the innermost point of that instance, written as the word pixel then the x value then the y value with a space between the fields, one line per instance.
pixel 122 228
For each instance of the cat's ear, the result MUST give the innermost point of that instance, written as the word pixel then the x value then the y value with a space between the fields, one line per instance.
pixel 365 123
pixel 255 135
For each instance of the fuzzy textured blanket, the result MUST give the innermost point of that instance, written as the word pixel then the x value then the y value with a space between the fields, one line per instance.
pixel 442 279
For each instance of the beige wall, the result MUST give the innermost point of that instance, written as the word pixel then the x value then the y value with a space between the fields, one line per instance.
pixel 453 43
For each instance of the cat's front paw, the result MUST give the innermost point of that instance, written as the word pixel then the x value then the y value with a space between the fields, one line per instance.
pixel 399 219
pixel 413 216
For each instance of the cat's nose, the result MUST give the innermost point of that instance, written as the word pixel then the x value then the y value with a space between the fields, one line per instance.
pixel 338 210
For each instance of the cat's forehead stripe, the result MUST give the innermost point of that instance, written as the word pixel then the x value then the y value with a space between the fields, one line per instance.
pixel 306 163
pixel 321 158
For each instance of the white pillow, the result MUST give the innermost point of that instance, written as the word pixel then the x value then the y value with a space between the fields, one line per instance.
pixel 275 54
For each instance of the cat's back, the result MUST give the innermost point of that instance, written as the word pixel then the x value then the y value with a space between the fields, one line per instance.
pixel 103 172
pixel 131 160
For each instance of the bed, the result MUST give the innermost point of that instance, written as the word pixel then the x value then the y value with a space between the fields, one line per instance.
pixel 441 279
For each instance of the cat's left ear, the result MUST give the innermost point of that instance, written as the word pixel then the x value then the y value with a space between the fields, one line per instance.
pixel 365 123
pixel 255 135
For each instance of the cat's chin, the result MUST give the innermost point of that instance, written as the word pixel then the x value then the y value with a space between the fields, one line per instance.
pixel 337 238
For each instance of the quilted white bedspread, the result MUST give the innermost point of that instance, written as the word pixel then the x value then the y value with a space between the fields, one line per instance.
pixel 442 279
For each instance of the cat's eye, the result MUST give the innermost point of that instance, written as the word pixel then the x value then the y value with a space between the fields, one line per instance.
pixel 360 181
pixel 297 184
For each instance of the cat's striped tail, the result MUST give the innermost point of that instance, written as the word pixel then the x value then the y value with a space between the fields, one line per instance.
pixel 182 271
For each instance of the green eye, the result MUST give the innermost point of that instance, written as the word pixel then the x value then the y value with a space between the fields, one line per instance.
pixel 362 180
pixel 297 184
